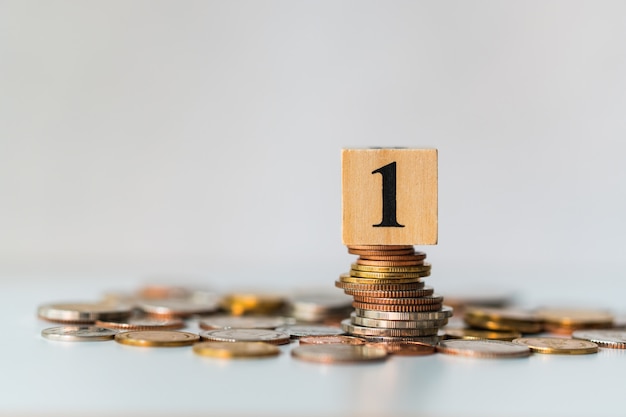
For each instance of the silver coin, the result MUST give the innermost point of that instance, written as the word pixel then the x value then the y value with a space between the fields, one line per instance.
pixel 297 331
pixel 483 348
pixel 429 340
pixel 180 307
pixel 610 338
pixel 78 333
pixel 396 324
pixel 83 312
pixel 338 353
pixel 242 322
pixel 356 330
pixel 246 335
pixel 442 313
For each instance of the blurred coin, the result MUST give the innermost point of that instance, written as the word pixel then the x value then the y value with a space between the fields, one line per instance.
pixel 78 333
pixel 609 338
pixel 143 323
pixel 83 313
pixel 442 313
pixel 397 308
pixel 179 307
pixel 253 303
pixel 242 322
pixel 427 299
pixel 236 349
pixel 297 331
pixel 357 330
pixel 338 353
pixel 325 340
pixel 319 306
pixel 396 324
pixel 379 287
pixel 162 292
pixel 503 319
pixel 483 348
pixel 246 335
pixel 457 333
pixel 405 348
pixel 557 345
pixel 157 338
pixel 566 320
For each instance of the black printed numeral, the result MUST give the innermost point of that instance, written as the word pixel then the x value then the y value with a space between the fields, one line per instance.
pixel 388 173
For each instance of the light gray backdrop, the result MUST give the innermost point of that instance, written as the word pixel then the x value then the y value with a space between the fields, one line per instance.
pixel 202 138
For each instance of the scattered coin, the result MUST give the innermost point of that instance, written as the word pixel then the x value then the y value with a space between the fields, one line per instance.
pixel 503 319
pixel 609 338
pixel 338 353
pixel 317 307
pixel 566 320
pixel 325 340
pixel 157 338
pixel 83 313
pixel 242 303
pixel 297 331
pixel 236 349
pixel 78 333
pixel 178 307
pixel 143 323
pixel 483 348
pixel 162 292
pixel 242 322
pixel 557 345
pixel 246 335
pixel 457 333
pixel 406 348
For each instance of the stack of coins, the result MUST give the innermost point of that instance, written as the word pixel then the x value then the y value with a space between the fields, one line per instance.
pixel 391 302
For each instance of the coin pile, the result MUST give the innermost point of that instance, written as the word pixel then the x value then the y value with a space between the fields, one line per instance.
pixel 391 302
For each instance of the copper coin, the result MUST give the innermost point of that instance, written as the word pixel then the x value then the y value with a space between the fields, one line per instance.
pixel 456 333
pixel 362 252
pixel 428 299
pixel 405 348
pixel 338 353
pixel 380 287
pixel 427 290
pixel 366 274
pixel 387 263
pixel 359 280
pixel 483 348
pixel 380 247
pixel 146 323
pixel 162 292
pixel 397 308
pixel 325 340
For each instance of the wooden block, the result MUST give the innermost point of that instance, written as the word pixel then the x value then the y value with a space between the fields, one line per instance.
pixel 389 196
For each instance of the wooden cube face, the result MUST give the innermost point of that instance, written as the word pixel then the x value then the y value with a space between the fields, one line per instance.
pixel 389 196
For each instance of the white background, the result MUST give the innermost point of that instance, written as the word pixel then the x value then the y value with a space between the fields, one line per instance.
pixel 200 141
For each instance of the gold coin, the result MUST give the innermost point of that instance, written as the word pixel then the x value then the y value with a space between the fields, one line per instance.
pixel 379 287
pixel 483 348
pixel 359 280
pixel 397 308
pixel 417 257
pixel 575 318
pixel 503 319
pixel 380 247
pixel 557 345
pixel 157 338
pixel 361 252
pixel 235 349
pixel 334 353
pixel 480 334
pixel 428 299
pixel 388 269
pixel 253 303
